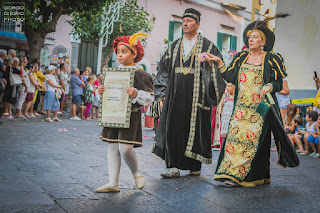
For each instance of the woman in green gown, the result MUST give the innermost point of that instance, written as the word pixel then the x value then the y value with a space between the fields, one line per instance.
pixel 245 156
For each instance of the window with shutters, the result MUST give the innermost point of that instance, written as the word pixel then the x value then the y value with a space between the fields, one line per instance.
pixel 175 31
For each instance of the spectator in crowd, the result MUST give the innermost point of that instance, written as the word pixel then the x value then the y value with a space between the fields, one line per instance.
pixel 88 95
pixel 36 98
pixel 33 85
pixel 311 118
pixel 40 96
pixel 10 92
pixel 283 99
pixel 89 71
pixel 51 102
pixel 314 143
pixel 23 88
pixel 316 103
pixel 3 54
pixel 83 76
pixel 12 53
pixel 297 123
pixel 244 48
pixel 96 98
pixel 63 79
pixel 76 90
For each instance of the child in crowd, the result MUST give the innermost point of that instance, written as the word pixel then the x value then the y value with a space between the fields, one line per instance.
pixel 222 118
pixel 88 95
pixel 297 124
pixel 311 118
pixel 51 101
pixel 315 143
pixel 96 98
pixel 122 140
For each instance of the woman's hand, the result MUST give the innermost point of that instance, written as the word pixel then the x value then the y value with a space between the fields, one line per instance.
pixel 265 90
pixel 316 80
pixel 208 57
pixel 132 92
pixel 101 89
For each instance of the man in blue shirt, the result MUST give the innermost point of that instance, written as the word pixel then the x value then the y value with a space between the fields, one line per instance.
pixel 76 90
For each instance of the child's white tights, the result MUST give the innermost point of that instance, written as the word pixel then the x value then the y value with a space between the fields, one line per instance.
pixel 116 151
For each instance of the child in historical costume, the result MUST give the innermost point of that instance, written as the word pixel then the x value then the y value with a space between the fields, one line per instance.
pixel 222 118
pixel 121 140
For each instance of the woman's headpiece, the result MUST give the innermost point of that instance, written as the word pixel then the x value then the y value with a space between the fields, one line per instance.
pixel 133 43
pixel 262 27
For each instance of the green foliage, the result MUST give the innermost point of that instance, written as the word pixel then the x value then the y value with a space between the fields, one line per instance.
pixel 133 18
pixel 42 15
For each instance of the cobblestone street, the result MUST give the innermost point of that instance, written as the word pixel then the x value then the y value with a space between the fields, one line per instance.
pixel 46 170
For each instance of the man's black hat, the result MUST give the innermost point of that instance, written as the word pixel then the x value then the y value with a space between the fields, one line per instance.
pixel 192 13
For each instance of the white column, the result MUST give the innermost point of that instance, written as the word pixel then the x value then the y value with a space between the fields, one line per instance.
pixel 99 56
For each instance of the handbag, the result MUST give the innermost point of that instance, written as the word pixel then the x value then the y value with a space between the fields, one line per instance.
pixel 58 94
pixel 14 78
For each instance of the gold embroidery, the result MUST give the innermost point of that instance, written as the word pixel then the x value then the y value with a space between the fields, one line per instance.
pixel 196 90
pixel 245 126
pixel 192 15
pixel 222 177
pixel 184 70
pixel 120 141
pixel 278 67
pixel 223 69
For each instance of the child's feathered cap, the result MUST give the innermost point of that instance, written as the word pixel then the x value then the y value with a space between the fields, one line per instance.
pixel 133 43
pixel 263 28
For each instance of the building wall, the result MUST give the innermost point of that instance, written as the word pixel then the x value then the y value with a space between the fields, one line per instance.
pixel 164 10
pixel 62 36
pixel 297 41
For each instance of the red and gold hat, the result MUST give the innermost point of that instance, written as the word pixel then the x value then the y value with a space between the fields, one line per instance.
pixel 133 43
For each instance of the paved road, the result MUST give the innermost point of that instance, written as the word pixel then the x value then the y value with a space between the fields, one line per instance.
pixel 46 170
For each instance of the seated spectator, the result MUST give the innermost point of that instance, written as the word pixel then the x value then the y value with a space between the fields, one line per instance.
pixel 297 124
pixel 311 118
pixel 51 102
pixel 77 91
pixel 314 144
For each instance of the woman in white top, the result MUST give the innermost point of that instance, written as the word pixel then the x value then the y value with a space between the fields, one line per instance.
pixel 51 102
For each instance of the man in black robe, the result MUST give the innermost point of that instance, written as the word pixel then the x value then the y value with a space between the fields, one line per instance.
pixel 189 90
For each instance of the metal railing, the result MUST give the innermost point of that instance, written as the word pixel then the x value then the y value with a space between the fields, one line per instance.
pixel 11 26
pixel 50 35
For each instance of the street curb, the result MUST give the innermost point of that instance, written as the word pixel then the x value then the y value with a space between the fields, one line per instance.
pixel 5 122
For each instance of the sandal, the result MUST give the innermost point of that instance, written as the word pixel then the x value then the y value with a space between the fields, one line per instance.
pixel 56 119
pixel 32 115
pixel 20 116
pixel 37 114
pixel 49 120
pixel 28 116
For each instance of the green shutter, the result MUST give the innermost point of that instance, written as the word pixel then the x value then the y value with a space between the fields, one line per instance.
pixel 219 41
pixel 171 29
pixel 233 42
